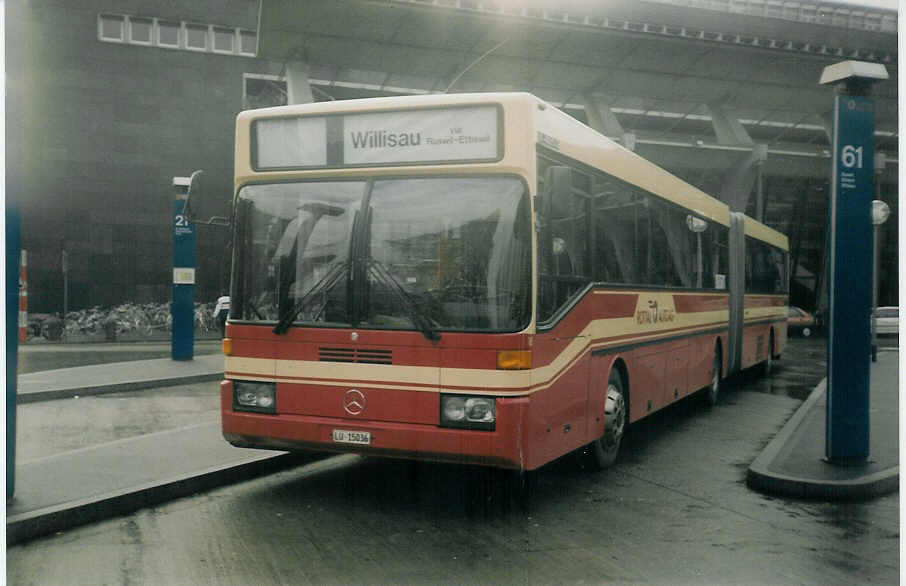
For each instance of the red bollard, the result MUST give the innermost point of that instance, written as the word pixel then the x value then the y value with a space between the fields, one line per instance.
pixel 23 298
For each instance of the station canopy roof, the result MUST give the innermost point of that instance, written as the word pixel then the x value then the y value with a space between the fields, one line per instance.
pixel 656 63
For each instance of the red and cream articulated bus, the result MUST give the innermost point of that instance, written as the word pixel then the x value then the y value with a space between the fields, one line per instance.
pixel 477 278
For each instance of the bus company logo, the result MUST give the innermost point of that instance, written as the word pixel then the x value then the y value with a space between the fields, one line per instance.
pixel 654 314
pixel 354 401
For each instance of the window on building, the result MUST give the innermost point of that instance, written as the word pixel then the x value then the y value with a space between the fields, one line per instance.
pixel 140 30
pixel 263 91
pixel 168 34
pixel 111 27
pixel 171 34
pixel 197 37
pixel 248 42
pixel 223 40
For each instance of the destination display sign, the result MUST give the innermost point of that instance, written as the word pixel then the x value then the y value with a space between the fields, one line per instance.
pixel 423 136
pixel 291 142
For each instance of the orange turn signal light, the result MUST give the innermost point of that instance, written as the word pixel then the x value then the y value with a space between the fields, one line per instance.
pixel 514 359
pixel 227 346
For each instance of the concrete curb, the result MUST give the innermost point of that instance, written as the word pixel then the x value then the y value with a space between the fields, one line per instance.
pixel 760 477
pixel 27 526
pixel 53 394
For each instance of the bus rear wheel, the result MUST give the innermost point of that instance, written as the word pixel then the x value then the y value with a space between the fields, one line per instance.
pixel 602 453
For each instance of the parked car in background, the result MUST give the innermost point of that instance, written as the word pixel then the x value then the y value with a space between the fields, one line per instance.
pixel 888 320
pixel 801 321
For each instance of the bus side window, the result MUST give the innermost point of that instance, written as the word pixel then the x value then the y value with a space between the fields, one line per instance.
pixel 673 246
pixel 564 250
pixel 716 273
pixel 765 268
pixel 614 232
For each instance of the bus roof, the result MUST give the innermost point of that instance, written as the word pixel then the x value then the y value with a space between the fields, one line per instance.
pixel 388 103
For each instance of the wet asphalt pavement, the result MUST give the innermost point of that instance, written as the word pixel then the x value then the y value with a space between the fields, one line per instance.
pixel 802 366
pixel 674 510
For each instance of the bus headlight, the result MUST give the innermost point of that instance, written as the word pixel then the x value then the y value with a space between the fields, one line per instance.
pixel 254 396
pixel 468 412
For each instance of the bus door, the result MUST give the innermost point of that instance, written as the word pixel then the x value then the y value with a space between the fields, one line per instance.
pixel 560 401
pixel 565 307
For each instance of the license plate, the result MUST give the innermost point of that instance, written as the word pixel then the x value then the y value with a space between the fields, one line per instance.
pixel 342 436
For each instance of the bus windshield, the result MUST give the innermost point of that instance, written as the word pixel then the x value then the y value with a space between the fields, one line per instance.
pixel 432 254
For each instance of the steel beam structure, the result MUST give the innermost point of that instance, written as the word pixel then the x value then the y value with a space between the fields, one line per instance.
pixel 720 92
pixel 566 55
pixel 601 118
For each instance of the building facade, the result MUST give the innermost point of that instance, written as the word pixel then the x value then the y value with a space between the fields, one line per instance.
pixel 106 103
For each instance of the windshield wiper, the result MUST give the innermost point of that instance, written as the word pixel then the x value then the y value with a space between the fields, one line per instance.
pixel 322 286
pixel 417 317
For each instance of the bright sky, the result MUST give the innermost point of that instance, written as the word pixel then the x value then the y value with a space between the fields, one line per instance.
pixel 886 4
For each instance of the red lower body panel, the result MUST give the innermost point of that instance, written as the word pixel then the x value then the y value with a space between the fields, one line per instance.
pixel 503 447
pixel 756 343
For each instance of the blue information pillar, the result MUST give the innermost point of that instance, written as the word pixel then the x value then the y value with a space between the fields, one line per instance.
pixel 850 279
pixel 183 309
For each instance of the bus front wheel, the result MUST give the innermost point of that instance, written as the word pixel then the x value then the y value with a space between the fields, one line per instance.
pixel 602 453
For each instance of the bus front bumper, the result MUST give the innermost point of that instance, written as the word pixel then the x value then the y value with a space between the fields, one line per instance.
pixel 502 448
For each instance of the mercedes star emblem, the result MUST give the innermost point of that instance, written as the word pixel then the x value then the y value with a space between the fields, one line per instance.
pixel 354 402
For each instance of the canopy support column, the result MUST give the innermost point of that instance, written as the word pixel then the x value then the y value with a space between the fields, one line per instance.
pixel 298 86
pixel 602 119
pixel 748 170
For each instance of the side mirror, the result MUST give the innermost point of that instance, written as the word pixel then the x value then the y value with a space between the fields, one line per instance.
pixel 195 189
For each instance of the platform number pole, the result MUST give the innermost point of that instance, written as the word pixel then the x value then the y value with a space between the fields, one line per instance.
pixel 850 270
pixel 183 308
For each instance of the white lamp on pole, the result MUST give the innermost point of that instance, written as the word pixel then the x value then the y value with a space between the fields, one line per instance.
pixel 880 211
